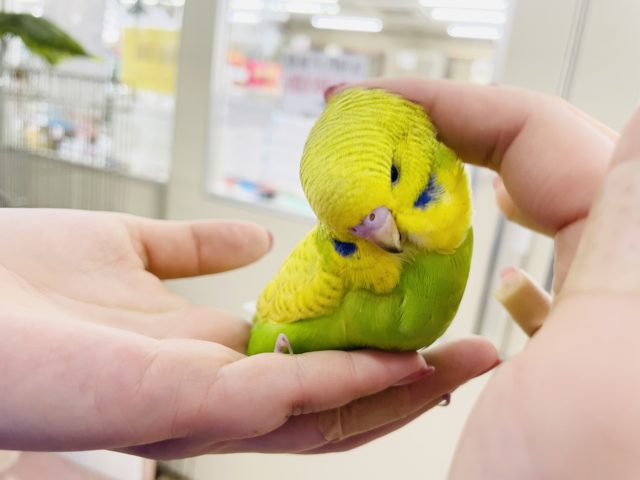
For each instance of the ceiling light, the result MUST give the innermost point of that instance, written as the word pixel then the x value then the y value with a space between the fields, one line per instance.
pixel 464 15
pixel 480 32
pixel 308 8
pixel 250 18
pixel 471 4
pixel 247 4
pixel 352 24
pixel 315 7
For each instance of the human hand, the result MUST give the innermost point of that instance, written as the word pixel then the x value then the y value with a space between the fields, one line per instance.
pixel 551 157
pixel 567 406
pixel 98 354
pixel 547 413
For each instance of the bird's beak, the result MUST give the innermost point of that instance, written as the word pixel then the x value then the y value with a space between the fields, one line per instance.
pixel 380 228
pixel 387 236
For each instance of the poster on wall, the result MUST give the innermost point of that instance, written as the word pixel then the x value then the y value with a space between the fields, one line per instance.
pixel 306 75
pixel 149 58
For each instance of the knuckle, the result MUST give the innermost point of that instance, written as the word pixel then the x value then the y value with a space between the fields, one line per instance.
pixel 301 401
pixel 331 425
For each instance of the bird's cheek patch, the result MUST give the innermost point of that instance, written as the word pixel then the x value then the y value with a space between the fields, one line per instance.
pixel 430 193
pixel 344 249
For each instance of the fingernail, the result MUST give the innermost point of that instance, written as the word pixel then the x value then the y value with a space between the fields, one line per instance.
pixel 497 363
pixel 332 89
pixel 508 272
pixel 496 182
pixel 509 279
pixel 270 240
pixel 415 376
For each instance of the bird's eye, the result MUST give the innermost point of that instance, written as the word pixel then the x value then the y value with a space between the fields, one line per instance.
pixel 372 217
pixel 394 174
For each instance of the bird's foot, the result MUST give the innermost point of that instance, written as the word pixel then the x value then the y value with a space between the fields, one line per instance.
pixel 446 400
pixel 282 344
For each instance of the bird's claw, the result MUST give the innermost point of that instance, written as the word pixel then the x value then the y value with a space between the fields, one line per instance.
pixel 446 400
pixel 282 343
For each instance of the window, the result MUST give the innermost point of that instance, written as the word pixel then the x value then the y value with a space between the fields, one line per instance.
pixel 282 55
pixel 114 112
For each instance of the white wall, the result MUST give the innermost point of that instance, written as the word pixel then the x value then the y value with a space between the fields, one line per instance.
pixel 584 50
pixel 606 83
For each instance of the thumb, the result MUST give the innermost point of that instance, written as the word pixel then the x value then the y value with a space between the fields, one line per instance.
pixel 608 256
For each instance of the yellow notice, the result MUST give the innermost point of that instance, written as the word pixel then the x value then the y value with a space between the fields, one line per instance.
pixel 149 59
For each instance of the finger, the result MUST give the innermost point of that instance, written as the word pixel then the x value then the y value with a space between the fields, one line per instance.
pixel 171 249
pixel 179 319
pixel 358 440
pixel 127 389
pixel 257 395
pixel 511 211
pixel 527 303
pixel 551 159
pixel 606 131
pixel 292 385
pixel 455 363
pixel 290 446
pixel 205 323
pixel 628 147
pixel 608 256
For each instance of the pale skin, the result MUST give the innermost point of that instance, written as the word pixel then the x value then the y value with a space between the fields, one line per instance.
pixel 566 407
pixel 97 353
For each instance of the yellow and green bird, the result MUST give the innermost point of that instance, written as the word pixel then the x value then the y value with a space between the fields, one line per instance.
pixel 388 262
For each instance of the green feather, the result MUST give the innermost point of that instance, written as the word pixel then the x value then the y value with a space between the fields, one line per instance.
pixel 412 316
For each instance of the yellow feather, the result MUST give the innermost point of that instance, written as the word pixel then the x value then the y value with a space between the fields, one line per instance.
pixel 345 172
pixel 313 279
pixel 358 134
pixel 369 267
pixel 303 288
pixel 445 226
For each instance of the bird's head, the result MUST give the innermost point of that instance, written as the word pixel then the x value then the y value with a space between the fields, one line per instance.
pixel 374 172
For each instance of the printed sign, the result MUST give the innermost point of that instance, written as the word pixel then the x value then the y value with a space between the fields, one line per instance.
pixel 306 75
pixel 149 59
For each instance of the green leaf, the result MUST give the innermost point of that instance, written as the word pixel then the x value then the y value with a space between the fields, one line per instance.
pixel 41 36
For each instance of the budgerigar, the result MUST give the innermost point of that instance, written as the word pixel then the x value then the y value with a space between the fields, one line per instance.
pixel 388 262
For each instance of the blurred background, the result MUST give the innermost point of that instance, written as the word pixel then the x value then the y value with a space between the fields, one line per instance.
pixel 200 108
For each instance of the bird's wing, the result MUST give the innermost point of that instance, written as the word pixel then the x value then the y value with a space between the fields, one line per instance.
pixel 303 288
